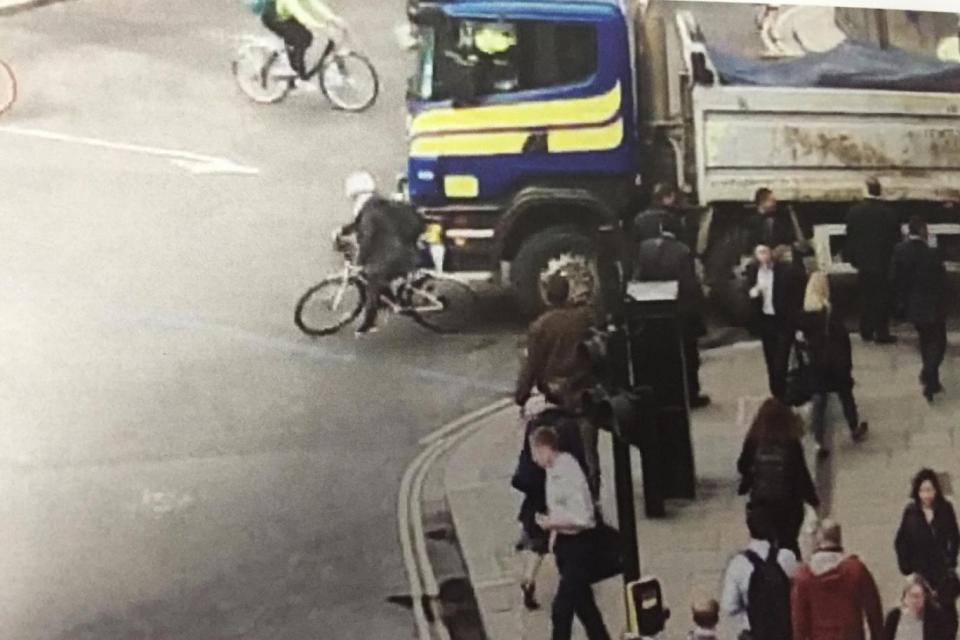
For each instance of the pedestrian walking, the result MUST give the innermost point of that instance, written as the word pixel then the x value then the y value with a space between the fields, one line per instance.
pixel 706 617
pixel 918 617
pixel 756 585
pixel 665 258
pixel 920 283
pixel 555 367
pixel 530 480
pixel 835 594
pixel 872 233
pixel 774 472
pixel 663 213
pixel 831 361
pixel 773 226
pixel 927 543
pixel 777 293
pixel 571 520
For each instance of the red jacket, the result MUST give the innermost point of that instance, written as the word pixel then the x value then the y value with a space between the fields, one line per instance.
pixel 832 594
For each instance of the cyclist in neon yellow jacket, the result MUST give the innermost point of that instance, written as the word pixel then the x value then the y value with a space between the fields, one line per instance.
pixel 295 21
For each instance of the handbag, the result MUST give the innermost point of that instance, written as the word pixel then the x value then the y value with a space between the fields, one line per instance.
pixel 607 552
pixel 799 390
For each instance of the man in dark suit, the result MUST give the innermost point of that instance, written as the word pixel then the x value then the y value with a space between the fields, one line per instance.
pixel 920 284
pixel 772 226
pixel 872 233
pixel 776 289
pixel 665 258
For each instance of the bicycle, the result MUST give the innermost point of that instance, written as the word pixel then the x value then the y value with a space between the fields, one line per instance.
pixel 439 303
pixel 346 78
pixel 8 87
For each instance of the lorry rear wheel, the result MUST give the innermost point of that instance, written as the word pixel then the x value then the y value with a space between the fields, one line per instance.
pixel 538 253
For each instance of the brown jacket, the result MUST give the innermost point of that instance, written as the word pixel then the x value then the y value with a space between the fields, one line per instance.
pixel 553 365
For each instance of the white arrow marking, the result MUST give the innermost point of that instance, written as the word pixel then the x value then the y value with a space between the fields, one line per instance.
pixel 193 162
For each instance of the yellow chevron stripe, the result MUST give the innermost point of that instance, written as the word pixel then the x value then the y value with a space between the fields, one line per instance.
pixel 511 142
pixel 570 111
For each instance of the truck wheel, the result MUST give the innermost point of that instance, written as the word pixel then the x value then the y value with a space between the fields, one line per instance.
pixel 534 259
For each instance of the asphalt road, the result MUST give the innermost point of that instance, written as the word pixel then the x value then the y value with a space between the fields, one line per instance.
pixel 176 461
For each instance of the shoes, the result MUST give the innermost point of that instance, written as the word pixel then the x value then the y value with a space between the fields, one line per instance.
pixel 529 601
pixel 822 452
pixel 928 395
pixel 365 329
pixel 888 339
pixel 700 401
pixel 860 433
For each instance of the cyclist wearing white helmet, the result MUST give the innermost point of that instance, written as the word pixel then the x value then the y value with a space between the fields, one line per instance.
pixel 295 21
pixel 387 233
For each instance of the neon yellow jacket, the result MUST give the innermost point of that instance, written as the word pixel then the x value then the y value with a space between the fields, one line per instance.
pixel 312 14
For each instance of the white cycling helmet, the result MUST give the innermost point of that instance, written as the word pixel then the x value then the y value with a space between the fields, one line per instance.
pixel 359 183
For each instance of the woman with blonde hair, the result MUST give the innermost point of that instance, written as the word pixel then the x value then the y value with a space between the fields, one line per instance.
pixel 831 361
pixel 918 617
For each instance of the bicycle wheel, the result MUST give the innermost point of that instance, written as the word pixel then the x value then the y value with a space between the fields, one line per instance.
pixel 441 303
pixel 329 305
pixel 255 73
pixel 8 87
pixel 349 81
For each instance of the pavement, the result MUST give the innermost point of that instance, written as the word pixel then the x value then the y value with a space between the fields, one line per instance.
pixel 863 486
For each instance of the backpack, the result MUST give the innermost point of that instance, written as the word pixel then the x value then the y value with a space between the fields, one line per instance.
pixel 768 598
pixel 770 474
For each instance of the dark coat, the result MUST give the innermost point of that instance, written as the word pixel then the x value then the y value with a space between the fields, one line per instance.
pixel 666 258
pixel 933 623
pixel 387 233
pixel 772 229
pixel 800 484
pixel 828 345
pixel 919 282
pixel 872 233
pixel 788 287
pixel 554 364
pixel 929 549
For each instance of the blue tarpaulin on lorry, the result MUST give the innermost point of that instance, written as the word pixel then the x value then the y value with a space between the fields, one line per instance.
pixel 849 65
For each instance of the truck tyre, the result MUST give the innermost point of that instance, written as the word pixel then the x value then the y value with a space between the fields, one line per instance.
pixel 534 258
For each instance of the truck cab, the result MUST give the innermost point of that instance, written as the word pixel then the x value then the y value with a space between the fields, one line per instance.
pixel 522 133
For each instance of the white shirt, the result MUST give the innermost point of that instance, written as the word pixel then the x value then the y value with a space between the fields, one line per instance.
pixel 765 285
pixel 568 495
pixel 909 628
pixel 736 582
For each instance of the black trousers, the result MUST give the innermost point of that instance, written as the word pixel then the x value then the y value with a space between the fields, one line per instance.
pixel 874 304
pixel 818 415
pixel 933 348
pixel 296 36
pixel 691 355
pixel 575 592
pixel 777 338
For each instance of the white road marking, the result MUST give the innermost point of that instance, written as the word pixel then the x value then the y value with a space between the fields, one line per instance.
pixel 195 163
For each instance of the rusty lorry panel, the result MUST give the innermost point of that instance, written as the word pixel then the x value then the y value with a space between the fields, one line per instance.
pixel 820 144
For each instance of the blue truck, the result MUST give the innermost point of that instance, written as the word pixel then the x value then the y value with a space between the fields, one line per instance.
pixel 537 128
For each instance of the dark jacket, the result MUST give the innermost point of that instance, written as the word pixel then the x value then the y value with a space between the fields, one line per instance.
pixel 800 483
pixel 772 229
pixel 933 623
pixel 872 233
pixel 788 287
pixel 929 549
pixel 666 258
pixel 554 364
pixel 919 282
pixel 828 345
pixel 387 233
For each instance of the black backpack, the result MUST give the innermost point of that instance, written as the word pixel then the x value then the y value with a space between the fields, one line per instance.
pixel 770 474
pixel 768 598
